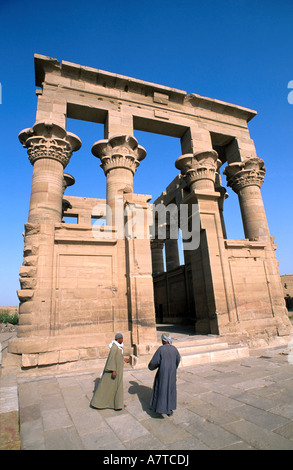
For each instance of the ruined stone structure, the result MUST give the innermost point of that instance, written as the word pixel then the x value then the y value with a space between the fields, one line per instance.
pixel 78 285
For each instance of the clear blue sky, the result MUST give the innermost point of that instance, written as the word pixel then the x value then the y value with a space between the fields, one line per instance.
pixel 240 51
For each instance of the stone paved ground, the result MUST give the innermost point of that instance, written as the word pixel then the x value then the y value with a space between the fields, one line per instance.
pixel 243 404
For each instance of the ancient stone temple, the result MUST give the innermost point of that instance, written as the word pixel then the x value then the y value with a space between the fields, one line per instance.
pixel 81 282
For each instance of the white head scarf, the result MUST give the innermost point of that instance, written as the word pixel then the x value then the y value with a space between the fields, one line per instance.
pixel 167 338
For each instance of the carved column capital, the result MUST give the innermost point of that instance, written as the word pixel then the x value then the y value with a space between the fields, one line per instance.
pixel 120 151
pixel 251 172
pixel 199 167
pixel 49 140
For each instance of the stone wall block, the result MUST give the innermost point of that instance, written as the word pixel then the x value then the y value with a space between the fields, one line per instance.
pixel 28 282
pixel 28 279
pixel 27 307
pixel 25 294
pixel 27 271
pixel 30 261
pixel 26 319
pixel 48 358
pixel 69 355
pixel 31 228
pixel 29 360
pixel 30 250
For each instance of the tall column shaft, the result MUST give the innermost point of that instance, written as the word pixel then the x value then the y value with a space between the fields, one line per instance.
pixel 246 179
pixel 119 182
pixel 49 149
pixel 209 266
pixel 46 191
pixel 253 213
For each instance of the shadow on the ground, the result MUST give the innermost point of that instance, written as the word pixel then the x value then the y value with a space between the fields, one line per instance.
pixel 144 395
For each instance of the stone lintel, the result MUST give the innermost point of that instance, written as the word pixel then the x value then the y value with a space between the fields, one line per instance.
pixel 215 105
pixel 44 64
pixel 161 94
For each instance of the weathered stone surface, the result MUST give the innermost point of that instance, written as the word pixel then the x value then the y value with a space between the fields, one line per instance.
pixel 30 360
pixel 69 355
pixel 47 358
pixel 25 294
pixel 82 282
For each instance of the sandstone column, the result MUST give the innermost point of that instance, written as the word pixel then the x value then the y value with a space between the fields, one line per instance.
pixel 209 264
pixel 120 157
pixel 49 149
pixel 246 179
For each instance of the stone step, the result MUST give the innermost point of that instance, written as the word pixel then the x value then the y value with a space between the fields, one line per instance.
pixel 187 350
pixel 198 340
pixel 200 350
pixel 214 355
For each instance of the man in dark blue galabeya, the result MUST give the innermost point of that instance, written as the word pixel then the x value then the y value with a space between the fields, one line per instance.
pixel 166 359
